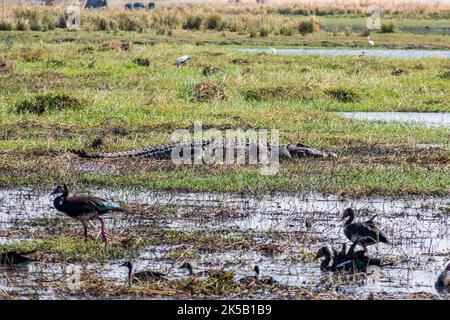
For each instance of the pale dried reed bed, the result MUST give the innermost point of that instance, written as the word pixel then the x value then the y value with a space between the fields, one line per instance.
pixel 244 18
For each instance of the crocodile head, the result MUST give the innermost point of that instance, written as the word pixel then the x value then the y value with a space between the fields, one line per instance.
pixel 301 150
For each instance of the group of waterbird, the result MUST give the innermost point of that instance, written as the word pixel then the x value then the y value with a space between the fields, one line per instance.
pixel 363 234
pixel 151 275
pixel 86 208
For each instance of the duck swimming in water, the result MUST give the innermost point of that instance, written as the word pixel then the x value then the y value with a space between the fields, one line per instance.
pixel 146 275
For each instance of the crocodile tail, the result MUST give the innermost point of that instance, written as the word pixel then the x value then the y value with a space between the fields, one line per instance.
pixel 131 153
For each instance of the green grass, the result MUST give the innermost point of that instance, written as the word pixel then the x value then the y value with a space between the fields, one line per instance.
pixel 131 106
pixel 70 249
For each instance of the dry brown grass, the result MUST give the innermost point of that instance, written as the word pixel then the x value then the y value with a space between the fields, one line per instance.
pixel 251 18
pixel 208 91
pixel 117 45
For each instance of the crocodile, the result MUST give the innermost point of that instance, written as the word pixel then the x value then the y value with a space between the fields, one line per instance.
pixel 192 149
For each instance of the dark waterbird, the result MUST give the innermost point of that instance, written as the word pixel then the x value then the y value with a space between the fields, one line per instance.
pixel 250 280
pixel 264 280
pixel 443 282
pixel 363 233
pixel 325 253
pixel 13 259
pixel 357 261
pixel 146 275
pixel 208 272
pixel 256 279
pixel 347 261
pixel 84 208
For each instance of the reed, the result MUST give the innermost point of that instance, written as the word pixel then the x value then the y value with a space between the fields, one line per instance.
pixel 254 20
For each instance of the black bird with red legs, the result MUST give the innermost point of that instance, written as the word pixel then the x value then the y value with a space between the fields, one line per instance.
pixel 84 208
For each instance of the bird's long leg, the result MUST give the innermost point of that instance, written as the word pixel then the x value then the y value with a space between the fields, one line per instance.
pixel 352 247
pixel 85 227
pixel 102 226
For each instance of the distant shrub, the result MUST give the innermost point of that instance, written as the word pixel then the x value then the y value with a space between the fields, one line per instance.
pixel 388 27
pixel 214 22
pixel 210 70
pixel 62 23
pixel 193 23
pixel 264 31
pixel 313 25
pixel 143 62
pixel 22 25
pixel 129 22
pixel 102 24
pixel 287 30
pixel 49 22
pixel 48 102
pixel 342 94
pixel 305 27
pixel 399 71
pixel 36 25
pixel 365 32
pixel 6 24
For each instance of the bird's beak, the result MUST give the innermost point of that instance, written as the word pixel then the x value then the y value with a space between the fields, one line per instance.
pixel 343 217
pixel 316 257
pixel 54 192
pixel 123 264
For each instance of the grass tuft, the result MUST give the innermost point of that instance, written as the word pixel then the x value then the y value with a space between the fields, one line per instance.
pixel 40 104
pixel 278 93
pixel 143 62
pixel 209 90
pixel 342 94
pixel 6 65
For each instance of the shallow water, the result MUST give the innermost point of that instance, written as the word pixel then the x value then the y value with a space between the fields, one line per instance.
pixel 429 119
pixel 295 224
pixel 356 52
